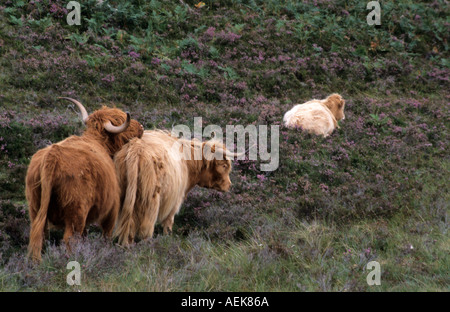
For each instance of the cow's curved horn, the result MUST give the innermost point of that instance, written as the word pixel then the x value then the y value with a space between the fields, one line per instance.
pixel 117 129
pixel 231 154
pixel 228 153
pixel 84 113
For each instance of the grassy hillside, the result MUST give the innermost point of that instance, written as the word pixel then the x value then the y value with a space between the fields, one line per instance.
pixel 376 189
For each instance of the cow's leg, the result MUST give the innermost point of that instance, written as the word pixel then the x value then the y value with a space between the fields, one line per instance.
pixel 168 222
pixel 47 230
pixel 68 234
pixel 108 223
pixel 74 224
pixel 147 225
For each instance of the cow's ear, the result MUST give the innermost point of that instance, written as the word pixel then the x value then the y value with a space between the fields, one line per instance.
pixel 209 164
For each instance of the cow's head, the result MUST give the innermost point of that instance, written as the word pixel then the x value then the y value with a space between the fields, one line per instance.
pixel 336 104
pixel 216 167
pixel 111 126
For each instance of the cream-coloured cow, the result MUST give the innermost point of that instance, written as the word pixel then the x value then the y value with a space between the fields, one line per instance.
pixel 155 178
pixel 317 116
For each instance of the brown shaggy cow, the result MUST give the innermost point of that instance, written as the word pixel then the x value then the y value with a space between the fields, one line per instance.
pixel 317 116
pixel 155 179
pixel 73 183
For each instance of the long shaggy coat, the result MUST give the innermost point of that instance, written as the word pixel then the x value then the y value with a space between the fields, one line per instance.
pixel 319 117
pixel 73 183
pixel 155 180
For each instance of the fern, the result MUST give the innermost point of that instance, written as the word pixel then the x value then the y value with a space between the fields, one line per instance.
pixel 16 21
pixel 41 24
pixel 80 39
pixel 229 73
pixel 187 43
pixel 19 3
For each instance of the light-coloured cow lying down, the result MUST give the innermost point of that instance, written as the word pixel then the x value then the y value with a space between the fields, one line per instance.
pixel 317 116
pixel 155 179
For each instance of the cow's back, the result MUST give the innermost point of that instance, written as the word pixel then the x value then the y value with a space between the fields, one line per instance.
pixel 174 176
pixel 84 180
pixel 311 116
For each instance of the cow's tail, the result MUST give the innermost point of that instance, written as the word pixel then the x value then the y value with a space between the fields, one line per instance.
pixel 38 223
pixel 127 165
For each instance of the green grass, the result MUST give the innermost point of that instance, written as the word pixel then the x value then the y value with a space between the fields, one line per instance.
pixel 306 256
